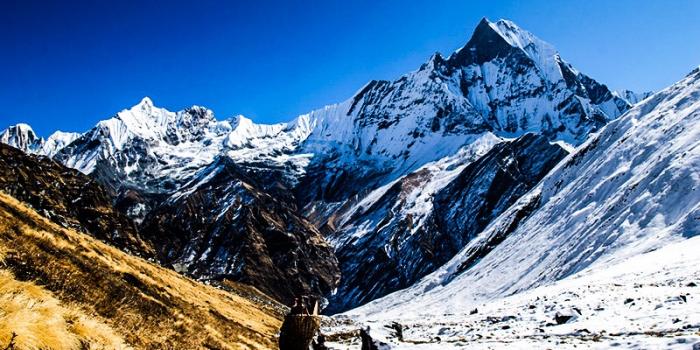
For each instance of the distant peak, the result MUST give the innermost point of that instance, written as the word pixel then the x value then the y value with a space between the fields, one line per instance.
pixel 241 120
pixel 23 127
pixel 502 38
pixel 146 101
pixel 433 62
pixel 145 105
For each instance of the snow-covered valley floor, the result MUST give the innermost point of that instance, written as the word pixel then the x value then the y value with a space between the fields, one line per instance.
pixel 649 301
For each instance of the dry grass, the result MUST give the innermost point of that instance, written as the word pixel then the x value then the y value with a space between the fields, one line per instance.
pixel 41 322
pixel 147 306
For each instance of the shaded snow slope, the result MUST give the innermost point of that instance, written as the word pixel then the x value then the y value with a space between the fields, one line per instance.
pixel 631 189
pixel 633 97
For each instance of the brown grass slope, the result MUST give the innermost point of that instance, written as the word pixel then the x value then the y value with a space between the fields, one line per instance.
pixel 68 198
pixel 43 323
pixel 144 305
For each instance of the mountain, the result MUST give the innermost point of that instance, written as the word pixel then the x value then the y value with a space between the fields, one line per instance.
pixel 619 215
pixel 22 136
pixel 222 226
pixel 422 220
pixel 215 196
pixel 504 81
pixel 632 97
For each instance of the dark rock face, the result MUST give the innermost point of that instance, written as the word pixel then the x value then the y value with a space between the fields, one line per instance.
pixel 485 45
pixel 222 226
pixel 395 253
pixel 491 184
pixel 68 198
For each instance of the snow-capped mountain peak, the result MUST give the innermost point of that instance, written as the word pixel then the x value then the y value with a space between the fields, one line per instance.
pixel 495 39
pixel 57 141
pixel 632 97
pixel 22 136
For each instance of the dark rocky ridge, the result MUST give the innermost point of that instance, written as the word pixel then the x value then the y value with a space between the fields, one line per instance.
pixel 225 227
pixel 67 197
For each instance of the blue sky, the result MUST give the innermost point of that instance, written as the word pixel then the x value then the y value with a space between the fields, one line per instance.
pixel 67 64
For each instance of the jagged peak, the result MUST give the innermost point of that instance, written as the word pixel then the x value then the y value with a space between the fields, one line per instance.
pixel 241 120
pixel 19 129
pixel 435 60
pixel 503 37
pixel 521 38
pixel 632 97
pixel 22 127
pixel 146 101
pixel 21 136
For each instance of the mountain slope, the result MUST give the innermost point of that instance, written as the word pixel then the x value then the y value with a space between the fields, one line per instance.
pixel 633 188
pixel 222 226
pixel 68 198
pixel 420 221
pixel 147 306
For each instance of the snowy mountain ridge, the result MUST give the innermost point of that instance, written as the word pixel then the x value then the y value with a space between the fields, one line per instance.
pixel 22 136
pixel 410 118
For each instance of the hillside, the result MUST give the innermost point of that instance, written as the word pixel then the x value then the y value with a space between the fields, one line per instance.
pixel 69 198
pixel 91 295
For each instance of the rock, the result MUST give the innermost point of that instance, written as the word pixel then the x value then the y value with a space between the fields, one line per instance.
pixel 628 300
pixel 691 284
pixel 474 312
pixel 562 318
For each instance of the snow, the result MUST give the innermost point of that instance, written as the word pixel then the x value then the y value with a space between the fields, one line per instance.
pixel 418 202
pixel 21 136
pixel 646 301
pixel 541 52
pixel 57 141
pixel 632 97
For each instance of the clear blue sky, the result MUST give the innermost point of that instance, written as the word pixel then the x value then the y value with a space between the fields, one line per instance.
pixel 67 64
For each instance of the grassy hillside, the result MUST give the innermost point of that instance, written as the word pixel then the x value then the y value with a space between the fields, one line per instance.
pixel 91 295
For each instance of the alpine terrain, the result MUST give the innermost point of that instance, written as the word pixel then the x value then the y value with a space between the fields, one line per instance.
pixel 496 194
